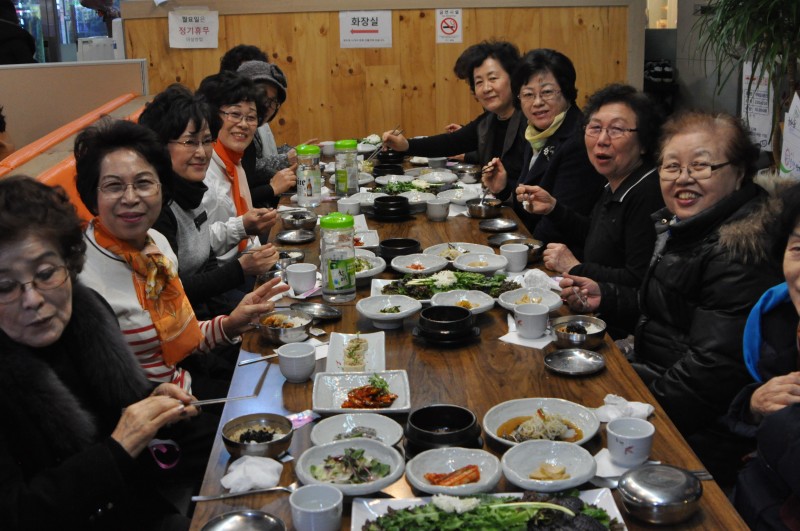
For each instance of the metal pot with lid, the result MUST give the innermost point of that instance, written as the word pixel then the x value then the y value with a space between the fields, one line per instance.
pixel 660 494
pixel 467 173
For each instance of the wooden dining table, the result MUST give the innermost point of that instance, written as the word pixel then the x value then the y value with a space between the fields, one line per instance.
pixel 477 375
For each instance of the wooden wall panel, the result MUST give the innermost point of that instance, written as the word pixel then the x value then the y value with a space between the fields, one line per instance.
pixel 337 93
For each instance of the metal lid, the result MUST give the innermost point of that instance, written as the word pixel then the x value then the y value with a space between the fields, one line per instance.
pixel 659 485
pixel 305 149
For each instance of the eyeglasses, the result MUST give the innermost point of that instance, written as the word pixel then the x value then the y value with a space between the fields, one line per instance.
pixel 236 117
pixel 545 95
pixel 141 187
pixel 45 279
pixel 614 132
pixel 696 170
pixel 192 145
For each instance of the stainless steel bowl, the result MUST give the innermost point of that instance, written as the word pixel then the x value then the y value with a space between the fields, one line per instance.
pixel 660 494
pixel 301 219
pixel 284 335
pixel 273 448
pixel 467 173
pixel 485 209
pixel 569 339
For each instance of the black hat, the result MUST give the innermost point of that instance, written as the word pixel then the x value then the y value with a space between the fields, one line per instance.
pixel 259 71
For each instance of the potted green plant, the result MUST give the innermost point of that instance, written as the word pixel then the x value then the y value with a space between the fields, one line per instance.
pixel 764 32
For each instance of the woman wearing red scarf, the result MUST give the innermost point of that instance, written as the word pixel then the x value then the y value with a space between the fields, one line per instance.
pixel 228 202
pixel 124 173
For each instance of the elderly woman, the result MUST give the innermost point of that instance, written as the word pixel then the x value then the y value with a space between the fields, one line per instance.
pixel 709 266
pixel 77 411
pixel 555 158
pixel 181 122
pixel 767 490
pixel 618 237
pixel 498 131
pixel 228 202
pixel 122 169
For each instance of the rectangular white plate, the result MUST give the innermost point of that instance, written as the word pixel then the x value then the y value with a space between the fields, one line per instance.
pixel 365 509
pixel 330 390
pixel 379 283
pixel 375 358
pixel 369 238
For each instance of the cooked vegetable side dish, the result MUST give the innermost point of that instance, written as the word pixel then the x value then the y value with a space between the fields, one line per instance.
pixel 462 476
pixel 549 472
pixel 424 286
pixel 374 395
pixel 539 426
pixel 355 352
pixel 354 467
pixel 359 432
pixel 256 434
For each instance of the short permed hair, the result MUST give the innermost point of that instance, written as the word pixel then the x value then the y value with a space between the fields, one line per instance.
pixel 31 208
pixel 739 148
pixel 648 116
pixel 787 220
pixel 173 109
pixel 230 88
pixel 504 52
pixel 546 60
pixel 237 55
pixel 109 135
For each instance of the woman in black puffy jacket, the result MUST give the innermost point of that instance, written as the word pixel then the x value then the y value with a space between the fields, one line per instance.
pixel 710 265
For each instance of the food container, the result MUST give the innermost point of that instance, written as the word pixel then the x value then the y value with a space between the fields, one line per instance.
pixel 390 156
pixel 437 162
pixel 285 335
pixel 393 247
pixel 387 169
pixel 467 173
pixel 660 494
pixel 484 208
pixel 446 320
pixel 391 205
pixel 273 448
pixel 572 338
pixel 442 426
pixel 302 219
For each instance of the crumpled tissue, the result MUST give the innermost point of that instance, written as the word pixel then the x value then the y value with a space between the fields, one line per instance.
pixel 250 472
pixel 536 278
pixel 617 407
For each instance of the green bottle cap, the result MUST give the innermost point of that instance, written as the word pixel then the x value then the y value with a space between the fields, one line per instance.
pixel 305 149
pixel 336 220
pixel 345 144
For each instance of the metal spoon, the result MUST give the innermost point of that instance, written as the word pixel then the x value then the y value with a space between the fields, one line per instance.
pixel 256 360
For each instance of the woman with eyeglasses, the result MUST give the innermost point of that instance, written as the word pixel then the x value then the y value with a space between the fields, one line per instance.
pixel 555 158
pixel 123 172
pixel 499 131
pixel 77 412
pixel 709 267
pixel 228 202
pixel 617 239
pixel 188 127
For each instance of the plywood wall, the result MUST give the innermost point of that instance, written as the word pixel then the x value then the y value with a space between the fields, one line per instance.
pixel 339 93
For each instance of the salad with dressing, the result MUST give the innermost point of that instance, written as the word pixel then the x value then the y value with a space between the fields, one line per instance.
pixel 354 467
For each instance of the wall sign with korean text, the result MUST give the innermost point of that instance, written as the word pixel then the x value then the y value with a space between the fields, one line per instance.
pixel 365 29
pixel 193 28
pixel 448 26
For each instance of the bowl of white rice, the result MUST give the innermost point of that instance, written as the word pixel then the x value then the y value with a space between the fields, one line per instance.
pixel 284 326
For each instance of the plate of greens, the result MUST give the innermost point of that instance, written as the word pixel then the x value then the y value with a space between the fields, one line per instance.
pixel 488 512
pixel 423 287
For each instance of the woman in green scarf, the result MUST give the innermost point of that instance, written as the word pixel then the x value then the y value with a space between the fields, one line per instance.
pixel 555 156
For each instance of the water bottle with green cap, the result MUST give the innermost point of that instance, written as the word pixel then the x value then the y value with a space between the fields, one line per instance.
pixel 346 153
pixel 309 179
pixel 337 258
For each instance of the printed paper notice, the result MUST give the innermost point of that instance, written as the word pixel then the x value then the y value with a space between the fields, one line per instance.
pixel 193 28
pixel 448 26
pixel 365 29
pixel 790 154
pixel 757 106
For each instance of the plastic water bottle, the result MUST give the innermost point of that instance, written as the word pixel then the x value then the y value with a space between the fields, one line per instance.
pixel 309 179
pixel 337 258
pixel 346 167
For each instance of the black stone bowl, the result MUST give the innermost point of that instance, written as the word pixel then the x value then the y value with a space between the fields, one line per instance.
pixel 391 205
pixel 390 156
pixel 387 169
pixel 442 426
pixel 398 247
pixel 445 320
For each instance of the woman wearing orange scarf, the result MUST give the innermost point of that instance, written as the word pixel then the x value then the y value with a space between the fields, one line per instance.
pixel 227 201
pixel 124 173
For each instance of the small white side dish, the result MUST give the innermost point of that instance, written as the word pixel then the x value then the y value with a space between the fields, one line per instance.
pixel 520 461
pixel 371 307
pixel 430 263
pixel 459 196
pixel 480 301
pixel 510 299
pixel 480 262
pixel 331 388
pixel 387 430
pixel 377 265
pixel 439 177
pixel 446 460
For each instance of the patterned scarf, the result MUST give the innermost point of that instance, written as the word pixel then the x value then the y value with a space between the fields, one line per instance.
pixel 538 139
pixel 231 159
pixel 160 292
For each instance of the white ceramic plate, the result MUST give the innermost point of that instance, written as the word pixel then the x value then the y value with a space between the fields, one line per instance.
pixel 385 454
pixel 369 239
pixel 360 251
pixel 366 198
pixel 481 262
pixel 378 265
pixel 509 299
pixel 439 177
pixel 365 509
pixel 459 196
pixel 418 161
pixel 431 263
pixel 524 458
pixel 371 307
pixel 364 147
pixel 446 460
pixel 330 390
pixel 463 247
pixel 375 358
pixel 451 298
pixel 418 198
pixel 363 178
pixel 580 416
pixel 383 180
pixel 388 431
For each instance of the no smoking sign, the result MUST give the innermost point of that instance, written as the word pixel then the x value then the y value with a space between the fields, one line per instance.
pixel 448 26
